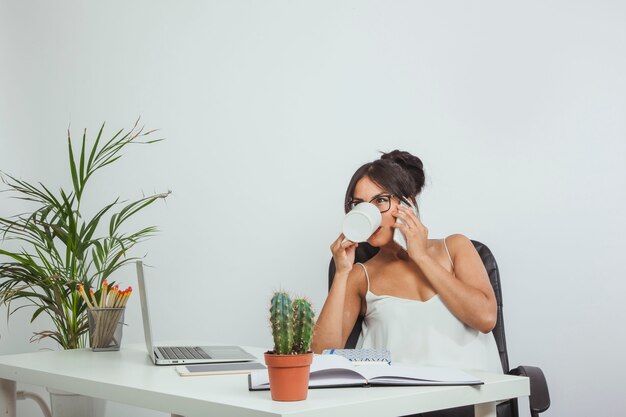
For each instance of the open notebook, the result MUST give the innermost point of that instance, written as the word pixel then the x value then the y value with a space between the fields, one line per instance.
pixel 329 371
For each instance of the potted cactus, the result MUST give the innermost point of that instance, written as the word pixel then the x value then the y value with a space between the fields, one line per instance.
pixel 289 363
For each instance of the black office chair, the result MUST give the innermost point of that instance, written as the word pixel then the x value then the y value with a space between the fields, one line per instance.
pixel 539 396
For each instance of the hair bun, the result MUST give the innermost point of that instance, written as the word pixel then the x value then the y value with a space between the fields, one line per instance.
pixel 411 164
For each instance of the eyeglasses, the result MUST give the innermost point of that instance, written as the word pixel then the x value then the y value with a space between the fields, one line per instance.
pixel 382 201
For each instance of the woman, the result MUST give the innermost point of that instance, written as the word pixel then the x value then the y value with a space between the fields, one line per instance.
pixel 431 305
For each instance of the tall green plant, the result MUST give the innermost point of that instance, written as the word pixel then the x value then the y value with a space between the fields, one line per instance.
pixel 292 324
pixel 59 248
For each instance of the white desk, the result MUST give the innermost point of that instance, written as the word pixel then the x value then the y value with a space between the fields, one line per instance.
pixel 129 377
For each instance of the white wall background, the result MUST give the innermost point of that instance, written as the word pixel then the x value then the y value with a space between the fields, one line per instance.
pixel 517 109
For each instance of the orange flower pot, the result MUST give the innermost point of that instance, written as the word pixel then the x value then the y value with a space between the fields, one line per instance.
pixel 289 376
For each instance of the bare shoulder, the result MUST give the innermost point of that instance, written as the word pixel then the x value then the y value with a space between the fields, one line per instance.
pixel 468 265
pixel 357 281
pixel 459 244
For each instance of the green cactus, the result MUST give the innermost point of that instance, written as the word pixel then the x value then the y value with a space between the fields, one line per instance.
pixel 303 322
pixel 281 320
pixel 292 324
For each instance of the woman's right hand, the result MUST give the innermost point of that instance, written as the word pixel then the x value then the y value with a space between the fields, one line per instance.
pixel 343 254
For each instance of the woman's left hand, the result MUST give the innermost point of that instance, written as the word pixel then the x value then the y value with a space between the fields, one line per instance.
pixel 415 233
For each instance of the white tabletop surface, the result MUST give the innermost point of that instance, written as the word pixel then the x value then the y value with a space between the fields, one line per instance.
pixel 129 377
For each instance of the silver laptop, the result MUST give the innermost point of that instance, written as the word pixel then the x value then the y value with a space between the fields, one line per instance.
pixel 176 355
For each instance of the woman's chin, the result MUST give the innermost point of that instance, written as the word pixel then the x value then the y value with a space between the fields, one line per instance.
pixel 379 241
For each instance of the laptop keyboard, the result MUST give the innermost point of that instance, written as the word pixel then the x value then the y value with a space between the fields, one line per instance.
pixel 182 352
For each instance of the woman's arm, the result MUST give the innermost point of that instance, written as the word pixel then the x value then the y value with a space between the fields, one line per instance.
pixel 339 313
pixel 343 303
pixel 466 291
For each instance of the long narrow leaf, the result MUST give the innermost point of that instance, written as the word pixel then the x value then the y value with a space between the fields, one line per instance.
pixel 81 175
pixel 94 148
pixel 73 165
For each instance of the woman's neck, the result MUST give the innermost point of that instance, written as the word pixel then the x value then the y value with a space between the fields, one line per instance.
pixel 392 252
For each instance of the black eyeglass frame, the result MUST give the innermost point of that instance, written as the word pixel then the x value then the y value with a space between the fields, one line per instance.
pixel 353 203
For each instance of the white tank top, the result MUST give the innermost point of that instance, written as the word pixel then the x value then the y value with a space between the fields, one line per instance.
pixel 425 333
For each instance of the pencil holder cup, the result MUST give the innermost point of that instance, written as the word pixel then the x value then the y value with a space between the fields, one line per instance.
pixel 105 328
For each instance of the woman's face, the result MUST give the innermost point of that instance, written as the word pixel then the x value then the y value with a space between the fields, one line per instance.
pixel 367 190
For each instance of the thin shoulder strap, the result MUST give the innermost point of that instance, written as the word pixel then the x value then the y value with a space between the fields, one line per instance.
pixel 448 252
pixel 366 275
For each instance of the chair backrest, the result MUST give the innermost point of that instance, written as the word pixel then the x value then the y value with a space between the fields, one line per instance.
pixel 365 252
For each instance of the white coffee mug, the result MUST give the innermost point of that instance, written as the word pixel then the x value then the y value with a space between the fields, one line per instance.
pixel 361 222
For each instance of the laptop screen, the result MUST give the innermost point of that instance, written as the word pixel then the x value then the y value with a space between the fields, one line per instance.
pixel 141 283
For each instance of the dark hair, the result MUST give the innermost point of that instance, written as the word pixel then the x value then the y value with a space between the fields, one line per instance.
pixel 397 172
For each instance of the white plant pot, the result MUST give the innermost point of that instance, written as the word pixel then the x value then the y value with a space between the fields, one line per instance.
pixel 67 404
